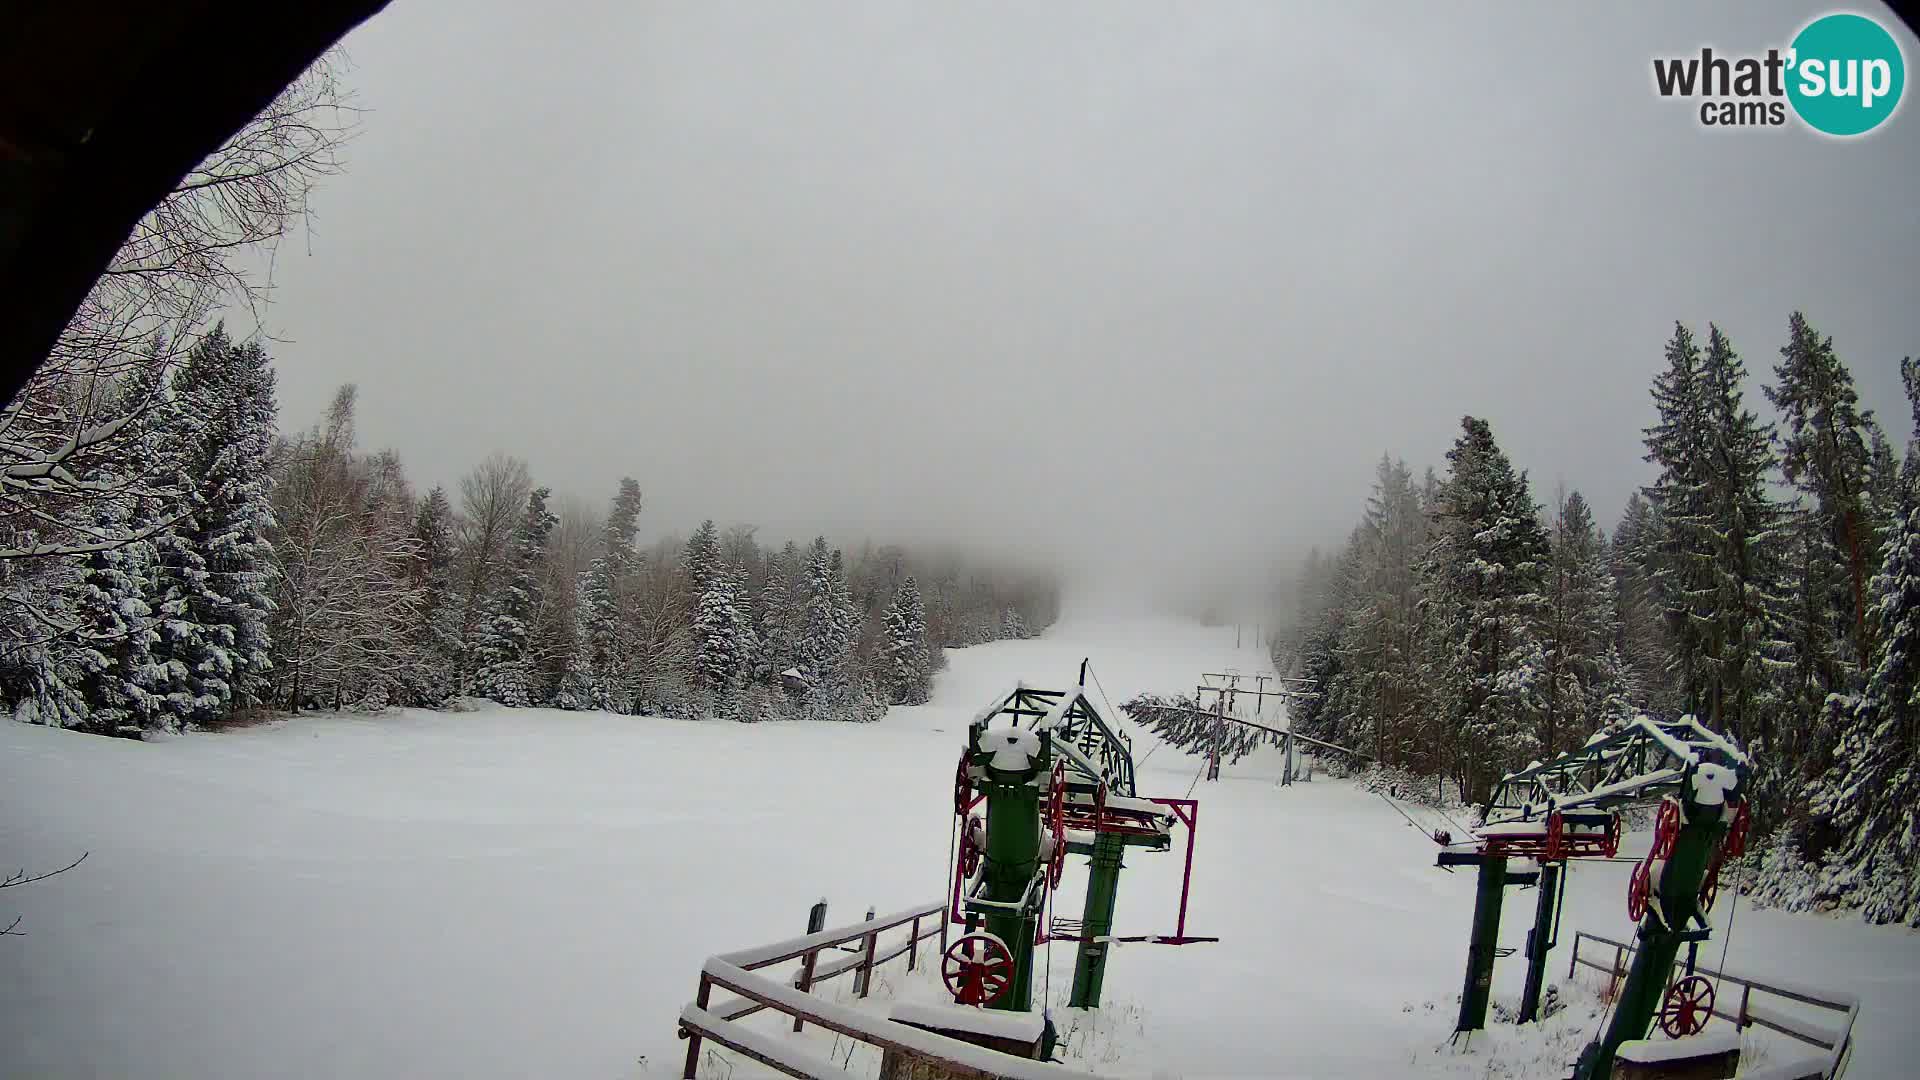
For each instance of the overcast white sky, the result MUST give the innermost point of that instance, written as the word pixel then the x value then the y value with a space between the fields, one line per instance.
pixel 1153 284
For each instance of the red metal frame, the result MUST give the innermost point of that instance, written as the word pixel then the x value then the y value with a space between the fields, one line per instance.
pixel 1549 847
pixel 959 881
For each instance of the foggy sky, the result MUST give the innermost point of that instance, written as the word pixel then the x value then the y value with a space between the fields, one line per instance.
pixel 1151 285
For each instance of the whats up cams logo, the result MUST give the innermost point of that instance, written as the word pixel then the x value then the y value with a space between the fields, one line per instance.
pixel 1842 76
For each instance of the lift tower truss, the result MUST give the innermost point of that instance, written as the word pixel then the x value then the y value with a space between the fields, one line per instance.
pixel 1567 808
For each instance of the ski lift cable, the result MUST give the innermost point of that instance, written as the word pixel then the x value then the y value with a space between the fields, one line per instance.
pixel 1409 818
pixel 1726 942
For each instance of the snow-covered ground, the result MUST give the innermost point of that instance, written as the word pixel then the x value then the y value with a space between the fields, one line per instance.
pixel 520 893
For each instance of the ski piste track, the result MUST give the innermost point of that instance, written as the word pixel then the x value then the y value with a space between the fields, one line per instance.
pixel 1057 779
pixel 516 892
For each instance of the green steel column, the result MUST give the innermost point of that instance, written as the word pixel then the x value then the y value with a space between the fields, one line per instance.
pixel 1486 936
pixel 1539 940
pixel 1013 853
pixel 1103 885
pixel 1660 942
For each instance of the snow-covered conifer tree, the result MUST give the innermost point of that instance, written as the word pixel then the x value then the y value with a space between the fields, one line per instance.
pixel 1870 795
pixel 907 662
pixel 1482 575
pixel 724 644
pixel 502 648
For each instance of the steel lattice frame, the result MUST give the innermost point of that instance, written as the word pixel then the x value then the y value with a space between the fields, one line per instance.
pixel 1640 763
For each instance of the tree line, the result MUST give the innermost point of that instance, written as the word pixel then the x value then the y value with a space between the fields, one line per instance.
pixel 1767 583
pixel 237 568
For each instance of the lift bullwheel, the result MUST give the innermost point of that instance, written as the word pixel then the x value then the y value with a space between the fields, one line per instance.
pixel 962 789
pixel 1666 829
pixel 1639 889
pixel 1688 1005
pixel 978 969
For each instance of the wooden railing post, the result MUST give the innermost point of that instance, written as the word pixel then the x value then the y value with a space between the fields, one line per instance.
pixel 866 966
pixel 805 985
pixel 913 945
pixel 1575 962
pixel 693 1036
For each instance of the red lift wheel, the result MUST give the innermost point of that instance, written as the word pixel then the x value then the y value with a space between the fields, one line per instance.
pixel 1615 830
pixel 969 853
pixel 1556 842
pixel 962 789
pixel 978 969
pixel 1639 887
pixel 1736 843
pixel 1687 1007
pixel 1710 885
pixel 1666 829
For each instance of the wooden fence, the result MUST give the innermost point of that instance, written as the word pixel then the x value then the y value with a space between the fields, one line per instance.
pixel 742 973
pixel 1836 1042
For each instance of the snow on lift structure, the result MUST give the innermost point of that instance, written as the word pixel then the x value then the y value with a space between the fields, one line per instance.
pixel 1056 779
pixel 1568 808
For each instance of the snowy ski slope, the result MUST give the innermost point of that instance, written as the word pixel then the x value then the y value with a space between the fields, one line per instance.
pixel 520 893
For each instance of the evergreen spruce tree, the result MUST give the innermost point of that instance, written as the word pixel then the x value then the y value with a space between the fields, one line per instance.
pixel 116 633
pixel 502 648
pixel 703 559
pixel 907 660
pixel 1827 454
pixel 1378 692
pixel 1869 797
pixel 1721 560
pixel 1582 688
pixel 599 676
pixel 437 630
pixel 1744 552
pixel 724 642
pixel 778 614
pixel 233 510
pixel 1642 647
pixel 1680 501
pixel 1483 574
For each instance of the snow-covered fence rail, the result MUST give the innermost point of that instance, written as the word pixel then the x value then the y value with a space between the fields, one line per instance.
pixel 703 1019
pixel 1836 1041
pixel 741 973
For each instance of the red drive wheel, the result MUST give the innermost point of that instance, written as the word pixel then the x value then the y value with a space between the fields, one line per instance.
pixel 1687 1007
pixel 1615 830
pixel 1736 842
pixel 978 969
pixel 1556 849
pixel 969 851
pixel 1639 888
pixel 962 789
pixel 1666 829
pixel 1710 884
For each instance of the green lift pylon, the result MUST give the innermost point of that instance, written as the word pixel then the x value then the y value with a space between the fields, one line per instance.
pixel 1675 915
pixel 1103 887
pixel 1567 809
pixel 1060 784
pixel 1014 766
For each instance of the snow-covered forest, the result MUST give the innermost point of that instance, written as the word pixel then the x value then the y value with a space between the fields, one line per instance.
pixel 171 557
pixel 1767 582
pixel 238 568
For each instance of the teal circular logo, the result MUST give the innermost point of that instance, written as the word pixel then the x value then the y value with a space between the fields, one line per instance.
pixel 1845 74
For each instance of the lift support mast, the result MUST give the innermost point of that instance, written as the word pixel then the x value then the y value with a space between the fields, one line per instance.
pixel 1568 809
